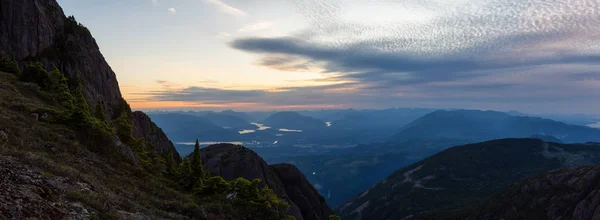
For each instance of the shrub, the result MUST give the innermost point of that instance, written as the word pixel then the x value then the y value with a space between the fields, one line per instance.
pixel 245 197
pixel 334 217
pixel 9 64
pixel 35 73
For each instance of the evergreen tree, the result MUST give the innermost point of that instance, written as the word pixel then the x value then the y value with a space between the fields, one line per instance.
pixel 196 166
pixel 60 88
pixel 81 111
pixel 170 166
pixel 9 64
pixel 99 111
pixel 35 73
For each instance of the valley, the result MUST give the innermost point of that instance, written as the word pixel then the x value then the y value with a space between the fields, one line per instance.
pixel 299 110
pixel 378 153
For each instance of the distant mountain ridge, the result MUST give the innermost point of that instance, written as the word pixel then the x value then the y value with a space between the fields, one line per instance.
pixel 227 119
pixel 186 128
pixel 487 125
pixel 293 120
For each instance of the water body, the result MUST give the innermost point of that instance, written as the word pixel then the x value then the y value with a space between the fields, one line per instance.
pixel 289 130
pixel 210 143
pixel 261 127
pixel 246 131
pixel 595 125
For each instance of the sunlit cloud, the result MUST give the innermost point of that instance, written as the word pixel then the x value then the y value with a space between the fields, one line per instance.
pixel 225 8
pixel 465 53
pixel 223 35
pixel 259 26
pixel 172 11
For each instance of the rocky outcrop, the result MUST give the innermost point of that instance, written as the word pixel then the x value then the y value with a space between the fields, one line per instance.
pixel 39 30
pixel 232 161
pixel 26 194
pixel 307 198
pixel 144 128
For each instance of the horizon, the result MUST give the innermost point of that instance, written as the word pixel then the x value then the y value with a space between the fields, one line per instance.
pixel 530 56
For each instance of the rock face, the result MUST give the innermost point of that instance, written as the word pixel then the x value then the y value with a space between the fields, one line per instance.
pixel 38 30
pixel 26 194
pixel 311 203
pixel 232 161
pixel 33 30
pixel 144 128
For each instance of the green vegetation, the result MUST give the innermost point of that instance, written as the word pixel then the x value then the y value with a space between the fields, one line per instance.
pixel 239 196
pixel 9 64
pixel 334 217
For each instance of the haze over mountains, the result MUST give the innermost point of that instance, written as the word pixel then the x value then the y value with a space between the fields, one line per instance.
pixel 348 145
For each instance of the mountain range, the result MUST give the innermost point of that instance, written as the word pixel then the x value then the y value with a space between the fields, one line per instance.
pixel 487 125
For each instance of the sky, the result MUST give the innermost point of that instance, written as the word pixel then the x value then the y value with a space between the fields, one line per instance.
pixel 533 56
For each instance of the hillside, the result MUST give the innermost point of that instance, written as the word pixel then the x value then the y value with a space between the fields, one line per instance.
pixel 464 175
pixel 570 193
pixel 82 172
pixel 488 125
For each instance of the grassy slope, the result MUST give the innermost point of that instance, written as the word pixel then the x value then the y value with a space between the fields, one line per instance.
pixel 103 186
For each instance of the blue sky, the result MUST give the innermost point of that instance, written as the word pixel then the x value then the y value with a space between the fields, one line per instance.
pixel 537 56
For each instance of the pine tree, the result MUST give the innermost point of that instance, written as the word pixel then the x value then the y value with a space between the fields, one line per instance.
pixel 99 111
pixel 170 163
pixel 196 166
pixel 60 87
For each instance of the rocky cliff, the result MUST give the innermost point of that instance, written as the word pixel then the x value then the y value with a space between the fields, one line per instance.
pixel 34 30
pixel 231 161
pixel 38 30
pixel 144 128
pixel 312 205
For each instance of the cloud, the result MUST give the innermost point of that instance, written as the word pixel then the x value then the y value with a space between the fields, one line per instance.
pixel 529 55
pixel 259 26
pixel 223 35
pixel 155 2
pixel 487 53
pixel 225 8
pixel 172 11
